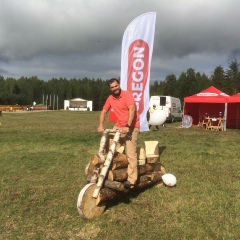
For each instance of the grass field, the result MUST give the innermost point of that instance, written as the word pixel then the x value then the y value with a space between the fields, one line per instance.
pixel 43 156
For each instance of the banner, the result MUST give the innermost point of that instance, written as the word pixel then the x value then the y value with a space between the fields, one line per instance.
pixel 137 47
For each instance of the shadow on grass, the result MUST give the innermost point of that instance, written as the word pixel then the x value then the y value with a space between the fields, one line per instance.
pixel 126 198
pixel 161 149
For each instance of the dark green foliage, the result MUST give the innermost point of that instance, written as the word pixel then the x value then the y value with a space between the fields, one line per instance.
pixel 25 91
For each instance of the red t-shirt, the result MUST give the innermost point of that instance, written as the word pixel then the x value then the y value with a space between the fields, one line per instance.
pixel 120 107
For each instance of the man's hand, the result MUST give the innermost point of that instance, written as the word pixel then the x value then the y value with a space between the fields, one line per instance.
pixel 100 129
pixel 125 130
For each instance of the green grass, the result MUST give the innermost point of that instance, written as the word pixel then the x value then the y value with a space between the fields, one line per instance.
pixel 43 157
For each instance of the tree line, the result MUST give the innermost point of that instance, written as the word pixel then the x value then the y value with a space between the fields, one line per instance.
pixel 25 91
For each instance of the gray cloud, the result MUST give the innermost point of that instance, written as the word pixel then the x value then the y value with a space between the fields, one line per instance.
pixel 79 38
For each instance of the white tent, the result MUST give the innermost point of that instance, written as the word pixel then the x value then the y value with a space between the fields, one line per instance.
pixel 78 104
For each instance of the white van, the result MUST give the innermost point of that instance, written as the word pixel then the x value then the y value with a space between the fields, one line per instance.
pixel 171 105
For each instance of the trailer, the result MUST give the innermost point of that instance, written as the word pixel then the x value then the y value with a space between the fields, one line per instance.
pixel 171 105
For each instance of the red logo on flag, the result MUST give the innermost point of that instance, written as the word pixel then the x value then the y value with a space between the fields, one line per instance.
pixel 138 57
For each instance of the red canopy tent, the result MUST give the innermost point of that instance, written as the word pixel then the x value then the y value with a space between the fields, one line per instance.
pixel 211 102
pixel 234 111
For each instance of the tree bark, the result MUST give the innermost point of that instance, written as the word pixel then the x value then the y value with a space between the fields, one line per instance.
pixel 152 158
pixel 119 175
pixel 93 163
pixel 107 164
pixel 114 185
pixel 119 161
pixel 157 178
pixel 95 173
pixel 102 146
pixel 155 167
pixel 104 195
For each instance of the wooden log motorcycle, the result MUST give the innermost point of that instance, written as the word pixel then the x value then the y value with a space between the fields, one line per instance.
pixel 106 172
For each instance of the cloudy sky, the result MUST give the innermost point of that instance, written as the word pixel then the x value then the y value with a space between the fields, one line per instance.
pixel 83 38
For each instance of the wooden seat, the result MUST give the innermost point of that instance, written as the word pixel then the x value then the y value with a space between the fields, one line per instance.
pixel 152 151
pixel 218 124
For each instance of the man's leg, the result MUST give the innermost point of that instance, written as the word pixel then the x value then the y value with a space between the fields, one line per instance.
pixel 131 151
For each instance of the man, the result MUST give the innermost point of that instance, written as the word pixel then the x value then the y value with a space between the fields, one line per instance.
pixel 123 105
pixel 152 111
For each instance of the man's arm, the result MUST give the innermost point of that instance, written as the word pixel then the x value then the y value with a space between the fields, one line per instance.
pixel 131 113
pixel 101 120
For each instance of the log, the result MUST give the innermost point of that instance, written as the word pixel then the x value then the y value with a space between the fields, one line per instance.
pixel 102 146
pixel 121 175
pixel 157 176
pixel 104 195
pixel 119 161
pixel 152 158
pixel 155 167
pixel 142 169
pixel 152 175
pixel 86 204
pixel 87 167
pixel 94 177
pixel 95 160
pixel 114 185
pixel 143 184
pixel 107 194
pixel 143 178
pixel 107 163
pixel 89 177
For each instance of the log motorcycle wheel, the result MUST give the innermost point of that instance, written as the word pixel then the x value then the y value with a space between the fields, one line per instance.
pixel 86 204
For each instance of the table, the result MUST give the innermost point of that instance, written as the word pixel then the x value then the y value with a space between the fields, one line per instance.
pixel 214 123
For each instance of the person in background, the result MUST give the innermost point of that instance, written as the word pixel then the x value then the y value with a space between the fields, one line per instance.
pixel 123 105
pixel 152 111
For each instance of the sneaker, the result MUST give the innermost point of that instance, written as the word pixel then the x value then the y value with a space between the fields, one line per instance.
pixel 128 185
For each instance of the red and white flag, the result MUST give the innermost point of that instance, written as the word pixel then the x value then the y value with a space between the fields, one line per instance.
pixel 137 48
